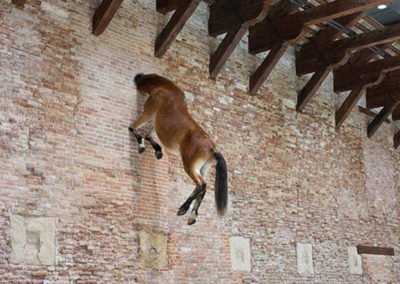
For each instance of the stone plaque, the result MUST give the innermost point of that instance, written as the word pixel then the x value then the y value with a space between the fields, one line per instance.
pixel 354 260
pixel 240 253
pixel 304 259
pixel 153 249
pixel 33 240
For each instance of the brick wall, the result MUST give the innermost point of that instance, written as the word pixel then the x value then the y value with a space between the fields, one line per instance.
pixel 66 101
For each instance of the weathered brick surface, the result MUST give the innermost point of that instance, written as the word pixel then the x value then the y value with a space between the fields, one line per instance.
pixel 67 99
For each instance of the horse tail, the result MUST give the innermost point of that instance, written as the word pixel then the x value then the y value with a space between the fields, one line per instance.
pixel 221 184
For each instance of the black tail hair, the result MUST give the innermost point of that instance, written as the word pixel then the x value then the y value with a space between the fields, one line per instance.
pixel 221 184
pixel 138 78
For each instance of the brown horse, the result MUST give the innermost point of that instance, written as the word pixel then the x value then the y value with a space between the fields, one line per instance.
pixel 180 134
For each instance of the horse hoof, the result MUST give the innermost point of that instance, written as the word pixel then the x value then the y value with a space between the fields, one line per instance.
pixel 182 211
pixel 159 155
pixel 191 221
pixel 141 149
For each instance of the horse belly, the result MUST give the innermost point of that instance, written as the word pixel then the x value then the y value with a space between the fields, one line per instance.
pixel 169 136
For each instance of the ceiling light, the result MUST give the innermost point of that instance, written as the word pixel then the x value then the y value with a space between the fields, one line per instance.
pixel 381 7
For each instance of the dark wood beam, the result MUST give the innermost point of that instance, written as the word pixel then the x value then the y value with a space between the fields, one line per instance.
pixel 381 117
pixel 226 14
pixel 396 114
pixel 19 3
pixel 382 94
pixel 375 250
pixel 329 34
pixel 225 49
pixel 263 71
pixel 183 12
pixel 390 84
pixel 291 28
pixel 369 113
pixel 396 140
pixel 165 6
pixel 104 14
pixel 311 88
pixel 245 14
pixel 346 78
pixel 375 101
pixel 348 105
pixel 338 52
pixel 261 74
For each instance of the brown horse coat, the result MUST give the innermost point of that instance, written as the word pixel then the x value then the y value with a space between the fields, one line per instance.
pixel 180 134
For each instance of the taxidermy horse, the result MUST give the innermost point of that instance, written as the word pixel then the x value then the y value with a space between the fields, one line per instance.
pixel 180 134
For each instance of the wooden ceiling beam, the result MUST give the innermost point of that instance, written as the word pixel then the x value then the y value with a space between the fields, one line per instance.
pixel 104 14
pixel 366 76
pixel 166 6
pixel 240 15
pixel 396 114
pixel 182 13
pixel 369 80
pixel 19 3
pixel 331 34
pixel 375 101
pixel 396 140
pixel 347 78
pixel 328 34
pixel 380 118
pixel 382 94
pixel 225 14
pixel 264 70
pixel 338 52
pixel 292 28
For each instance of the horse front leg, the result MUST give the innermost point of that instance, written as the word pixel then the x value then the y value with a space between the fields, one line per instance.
pixel 139 122
pixel 157 148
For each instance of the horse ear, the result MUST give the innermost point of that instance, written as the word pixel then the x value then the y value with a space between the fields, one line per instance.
pixel 138 78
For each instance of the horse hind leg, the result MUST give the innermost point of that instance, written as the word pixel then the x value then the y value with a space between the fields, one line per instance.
pixel 184 208
pixel 195 210
pixel 197 178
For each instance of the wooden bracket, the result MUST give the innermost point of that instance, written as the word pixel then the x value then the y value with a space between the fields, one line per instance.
pixel 19 3
pixel 263 71
pixel 348 105
pixel 225 49
pixel 396 140
pixel 374 125
pixel 311 87
pixel 182 13
pixel 396 114
pixel 233 17
pixel 326 35
pixel 104 14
